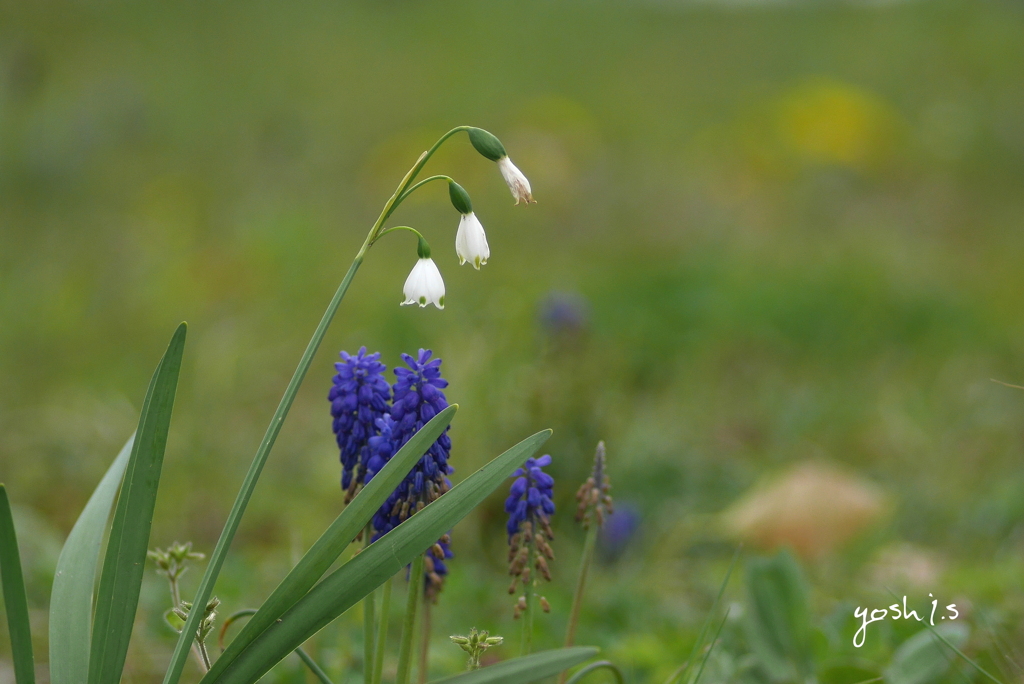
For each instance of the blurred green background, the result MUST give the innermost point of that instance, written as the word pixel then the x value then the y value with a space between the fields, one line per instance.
pixel 767 234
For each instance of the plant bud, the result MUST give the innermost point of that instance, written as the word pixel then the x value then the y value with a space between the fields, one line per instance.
pixel 460 198
pixel 486 144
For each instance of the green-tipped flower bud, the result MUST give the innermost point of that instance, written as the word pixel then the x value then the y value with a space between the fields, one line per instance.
pixel 486 144
pixel 460 198
pixel 423 249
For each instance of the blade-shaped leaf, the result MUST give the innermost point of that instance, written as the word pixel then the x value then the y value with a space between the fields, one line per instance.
pixel 125 559
pixel 523 670
pixel 337 537
pixel 75 579
pixel 345 587
pixel 15 599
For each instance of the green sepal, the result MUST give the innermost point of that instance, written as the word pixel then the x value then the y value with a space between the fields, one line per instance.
pixel 460 198
pixel 486 144
pixel 423 248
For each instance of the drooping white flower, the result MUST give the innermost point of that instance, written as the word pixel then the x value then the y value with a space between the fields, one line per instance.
pixel 471 241
pixel 515 180
pixel 424 284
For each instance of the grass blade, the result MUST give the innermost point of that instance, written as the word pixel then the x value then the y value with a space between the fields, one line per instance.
pixel 125 559
pixel 75 579
pixel 345 587
pixel 523 670
pixel 15 599
pixel 336 538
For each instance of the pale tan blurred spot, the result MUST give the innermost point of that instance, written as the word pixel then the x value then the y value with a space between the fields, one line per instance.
pixel 905 566
pixel 813 507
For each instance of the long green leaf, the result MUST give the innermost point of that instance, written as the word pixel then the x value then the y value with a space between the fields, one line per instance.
pixel 343 588
pixel 336 538
pixel 125 559
pixel 75 579
pixel 526 669
pixel 15 599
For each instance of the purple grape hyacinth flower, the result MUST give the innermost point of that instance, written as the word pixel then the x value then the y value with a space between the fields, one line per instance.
pixel 530 495
pixel 359 398
pixel 530 507
pixel 417 397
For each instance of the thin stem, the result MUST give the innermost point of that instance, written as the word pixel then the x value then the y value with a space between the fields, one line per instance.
pixel 419 166
pixel 581 580
pixel 227 535
pixel 423 182
pixel 204 655
pixel 424 644
pixel 394 228
pixel 198 650
pixel 249 484
pixel 528 613
pixel 368 620
pixel 382 631
pixel 249 612
pixel 314 668
pixel 409 626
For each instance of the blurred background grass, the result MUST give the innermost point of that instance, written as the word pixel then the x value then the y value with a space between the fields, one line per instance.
pixel 766 234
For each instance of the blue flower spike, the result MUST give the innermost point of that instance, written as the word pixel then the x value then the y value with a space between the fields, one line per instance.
pixel 359 398
pixel 530 507
pixel 417 397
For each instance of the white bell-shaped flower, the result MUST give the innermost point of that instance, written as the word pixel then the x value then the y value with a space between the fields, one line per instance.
pixel 515 180
pixel 471 241
pixel 424 284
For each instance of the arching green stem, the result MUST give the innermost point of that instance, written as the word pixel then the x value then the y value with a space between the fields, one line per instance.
pixel 578 676
pixel 394 228
pixel 423 182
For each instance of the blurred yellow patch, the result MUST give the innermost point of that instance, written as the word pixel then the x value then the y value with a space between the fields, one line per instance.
pixel 813 507
pixel 836 123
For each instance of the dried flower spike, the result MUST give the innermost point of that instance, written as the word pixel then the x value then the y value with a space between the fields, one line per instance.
pixel 593 498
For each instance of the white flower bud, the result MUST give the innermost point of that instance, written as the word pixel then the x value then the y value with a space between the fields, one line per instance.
pixel 471 242
pixel 424 284
pixel 515 180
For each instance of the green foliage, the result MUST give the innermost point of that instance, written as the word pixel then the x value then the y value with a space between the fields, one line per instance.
pixel 75 578
pixel 778 617
pixel 345 587
pixel 125 560
pixel 923 658
pixel 15 601
pixel 526 669
pixel 336 538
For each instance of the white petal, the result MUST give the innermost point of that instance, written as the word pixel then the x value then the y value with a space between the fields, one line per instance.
pixel 434 283
pixel 415 289
pixel 515 180
pixel 471 241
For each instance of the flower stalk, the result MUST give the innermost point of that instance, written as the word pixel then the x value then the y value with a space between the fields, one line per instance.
pixel 409 627
pixel 594 503
pixel 368 624
pixel 382 632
